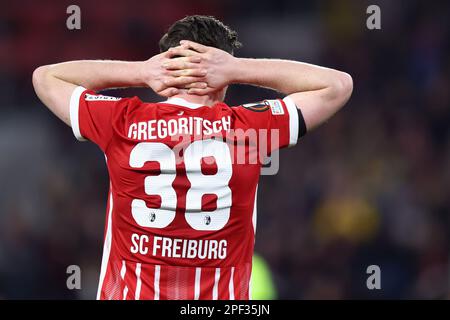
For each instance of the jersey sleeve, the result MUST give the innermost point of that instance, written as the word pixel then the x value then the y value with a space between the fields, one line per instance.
pixel 279 122
pixel 91 116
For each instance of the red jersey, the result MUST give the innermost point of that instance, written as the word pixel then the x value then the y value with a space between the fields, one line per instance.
pixel 181 214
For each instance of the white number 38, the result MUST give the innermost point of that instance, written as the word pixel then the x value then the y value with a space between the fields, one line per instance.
pixel 201 185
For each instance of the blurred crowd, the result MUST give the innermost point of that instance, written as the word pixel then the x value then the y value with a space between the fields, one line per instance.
pixel 370 187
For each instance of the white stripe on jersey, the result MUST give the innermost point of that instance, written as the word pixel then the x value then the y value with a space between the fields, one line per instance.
pixel 138 282
pixel 156 283
pixel 106 247
pixel 198 275
pixel 255 214
pixel 123 271
pixel 216 284
pixel 231 284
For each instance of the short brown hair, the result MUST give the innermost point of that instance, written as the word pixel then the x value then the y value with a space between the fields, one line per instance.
pixel 205 30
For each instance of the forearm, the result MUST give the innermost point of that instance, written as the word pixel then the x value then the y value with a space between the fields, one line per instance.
pixel 55 83
pixel 317 91
pixel 284 76
pixel 97 75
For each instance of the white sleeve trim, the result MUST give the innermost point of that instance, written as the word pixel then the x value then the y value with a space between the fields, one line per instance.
pixel 293 120
pixel 74 112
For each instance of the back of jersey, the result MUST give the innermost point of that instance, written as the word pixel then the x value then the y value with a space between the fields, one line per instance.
pixel 181 214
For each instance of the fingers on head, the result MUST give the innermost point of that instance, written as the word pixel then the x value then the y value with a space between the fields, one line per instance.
pixel 179 63
pixel 197 85
pixel 200 91
pixel 182 81
pixel 193 45
pixel 168 92
pixel 175 64
pixel 187 72
pixel 181 51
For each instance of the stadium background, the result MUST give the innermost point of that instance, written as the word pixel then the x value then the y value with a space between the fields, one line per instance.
pixel 369 187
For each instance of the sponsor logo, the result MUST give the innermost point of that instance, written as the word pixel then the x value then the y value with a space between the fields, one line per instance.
pixel 91 97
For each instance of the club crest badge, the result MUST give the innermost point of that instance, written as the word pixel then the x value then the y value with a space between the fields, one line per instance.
pixel 260 106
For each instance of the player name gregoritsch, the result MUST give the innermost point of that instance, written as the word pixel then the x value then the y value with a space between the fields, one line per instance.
pixel 160 129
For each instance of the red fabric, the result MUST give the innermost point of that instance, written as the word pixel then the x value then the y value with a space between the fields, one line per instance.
pixel 193 183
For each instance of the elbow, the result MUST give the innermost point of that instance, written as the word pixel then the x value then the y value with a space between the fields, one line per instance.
pixel 39 75
pixel 41 78
pixel 343 86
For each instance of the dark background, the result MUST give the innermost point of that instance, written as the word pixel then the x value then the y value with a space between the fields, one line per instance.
pixel 371 186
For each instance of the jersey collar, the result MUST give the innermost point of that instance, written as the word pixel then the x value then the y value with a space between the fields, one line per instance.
pixel 182 102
